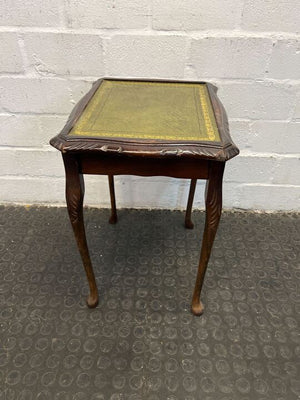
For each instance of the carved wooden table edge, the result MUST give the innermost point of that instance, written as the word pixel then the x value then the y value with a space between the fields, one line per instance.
pixel 202 160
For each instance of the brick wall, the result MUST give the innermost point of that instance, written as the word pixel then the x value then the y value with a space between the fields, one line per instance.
pixel 53 50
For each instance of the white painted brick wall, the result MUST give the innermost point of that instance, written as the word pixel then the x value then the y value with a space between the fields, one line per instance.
pixel 30 13
pixel 133 55
pixel 196 15
pixel 104 14
pixel 53 54
pixel 258 100
pixel 285 60
pixel 52 50
pixel 230 57
pixel 271 15
pixel 41 95
pixel 296 113
pixel 11 58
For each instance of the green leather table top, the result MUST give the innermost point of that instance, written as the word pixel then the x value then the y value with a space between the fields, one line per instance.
pixel 149 110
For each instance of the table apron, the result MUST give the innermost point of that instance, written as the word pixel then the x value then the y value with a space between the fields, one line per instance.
pixel 120 165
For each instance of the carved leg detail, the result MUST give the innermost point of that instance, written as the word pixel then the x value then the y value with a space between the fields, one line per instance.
pixel 188 221
pixel 113 217
pixel 74 198
pixel 213 204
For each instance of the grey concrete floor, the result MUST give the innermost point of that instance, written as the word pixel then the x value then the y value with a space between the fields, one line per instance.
pixel 142 342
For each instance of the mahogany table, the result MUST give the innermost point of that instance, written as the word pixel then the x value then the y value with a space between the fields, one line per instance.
pixel 147 128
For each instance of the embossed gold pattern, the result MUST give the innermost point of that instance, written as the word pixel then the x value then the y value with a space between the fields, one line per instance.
pixel 149 110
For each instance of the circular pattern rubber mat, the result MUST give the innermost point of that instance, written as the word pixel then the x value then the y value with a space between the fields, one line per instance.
pixel 142 342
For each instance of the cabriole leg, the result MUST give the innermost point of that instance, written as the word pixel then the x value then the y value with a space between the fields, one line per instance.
pixel 113 217
pixel 213 204
pixel 188 221
pixel 74 198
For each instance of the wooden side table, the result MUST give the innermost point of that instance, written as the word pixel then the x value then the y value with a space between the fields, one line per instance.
pixel 147 128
